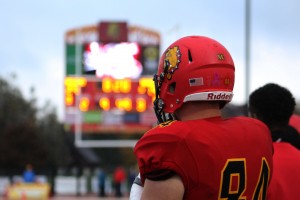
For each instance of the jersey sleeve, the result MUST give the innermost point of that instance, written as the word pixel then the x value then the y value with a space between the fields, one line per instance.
pixel 163 155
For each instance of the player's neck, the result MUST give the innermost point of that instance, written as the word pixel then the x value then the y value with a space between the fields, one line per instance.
pixel 193 111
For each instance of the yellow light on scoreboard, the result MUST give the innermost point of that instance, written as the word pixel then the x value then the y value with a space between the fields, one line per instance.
pixel 116 85
pixel 106 85
pixel 104 103
pixel 124 104
pixel 141 104
pixel 84 104
pixel 74 84
pixel 146 85
pixel 125 85
pixel 69 99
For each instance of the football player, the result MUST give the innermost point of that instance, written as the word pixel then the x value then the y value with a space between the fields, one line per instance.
pixel 274 105
pixel 194 153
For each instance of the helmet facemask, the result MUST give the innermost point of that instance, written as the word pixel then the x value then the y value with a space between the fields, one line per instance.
pixel 158 103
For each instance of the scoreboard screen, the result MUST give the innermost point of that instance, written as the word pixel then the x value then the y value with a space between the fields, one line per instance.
pixel 116 60
pixel 110 105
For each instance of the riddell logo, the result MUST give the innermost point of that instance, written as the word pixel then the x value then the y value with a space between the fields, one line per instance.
pixel 220 96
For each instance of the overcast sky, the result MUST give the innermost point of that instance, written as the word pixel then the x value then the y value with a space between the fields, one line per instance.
pixel 32 37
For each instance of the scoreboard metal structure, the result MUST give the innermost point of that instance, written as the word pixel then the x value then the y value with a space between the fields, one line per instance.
pixel 108 82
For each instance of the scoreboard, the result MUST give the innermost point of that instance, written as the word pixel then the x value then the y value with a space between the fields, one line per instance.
pixel 109 104
pixel 108 86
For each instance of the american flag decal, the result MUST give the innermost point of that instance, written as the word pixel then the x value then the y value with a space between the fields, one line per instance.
pixel 196 81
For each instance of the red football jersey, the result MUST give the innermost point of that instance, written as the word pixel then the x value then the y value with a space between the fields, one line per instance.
pixel 215 158
pixel 285 183
pixel 295 122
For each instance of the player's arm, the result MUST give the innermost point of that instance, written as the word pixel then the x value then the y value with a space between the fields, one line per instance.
pixel 171 189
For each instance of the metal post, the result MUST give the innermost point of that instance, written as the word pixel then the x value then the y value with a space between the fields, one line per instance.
pixel 247 49
pixel 78 131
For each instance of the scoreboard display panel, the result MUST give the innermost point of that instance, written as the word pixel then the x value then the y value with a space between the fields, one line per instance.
pixel 110 105
pixel 108 86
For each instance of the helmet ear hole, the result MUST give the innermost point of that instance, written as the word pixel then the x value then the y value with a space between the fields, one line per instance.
pixel 172 88
pixel 190 56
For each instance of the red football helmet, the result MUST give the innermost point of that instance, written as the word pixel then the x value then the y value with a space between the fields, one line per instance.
pixel 193 68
